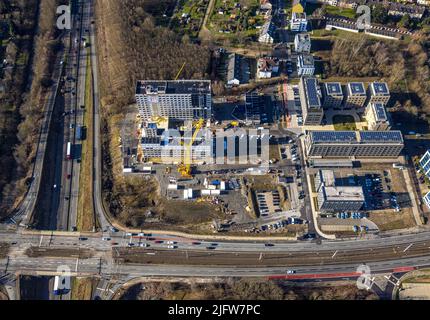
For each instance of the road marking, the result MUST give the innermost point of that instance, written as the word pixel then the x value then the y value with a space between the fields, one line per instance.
pixel 407 248
pixel 334 254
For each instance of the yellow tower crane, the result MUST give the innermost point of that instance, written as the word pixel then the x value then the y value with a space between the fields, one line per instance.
pixel 180 71
pixel 185 167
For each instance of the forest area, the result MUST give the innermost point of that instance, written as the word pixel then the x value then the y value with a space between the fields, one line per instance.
pixel 132 46
pixel 403 65
pixel 243 289
pixel 28 42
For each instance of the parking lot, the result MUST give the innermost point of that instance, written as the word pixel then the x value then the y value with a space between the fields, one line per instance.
pixel 387 202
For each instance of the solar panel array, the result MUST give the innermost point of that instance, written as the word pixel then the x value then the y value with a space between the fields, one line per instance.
pixel 312 93
pixel 381 136
pixel 381 115
pixel 357 87
pixel 380 87
pixel 334 88
pixel 333 136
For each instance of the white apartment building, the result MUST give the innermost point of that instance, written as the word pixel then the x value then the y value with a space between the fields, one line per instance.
pixel 377 118
pixel 298 22
pixel 378 92
pixel 179 100
pixel 305 65
pixel 302 43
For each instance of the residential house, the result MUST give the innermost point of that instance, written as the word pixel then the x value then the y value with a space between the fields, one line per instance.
pixel 377 118
pixel 266 66
pixel 302 43
pixel 305 65
pixel 265 5
pixel 298 22
pixel 332 94
pixel 398 10
pixel 233 70
pixel 267 33
pixel 424 2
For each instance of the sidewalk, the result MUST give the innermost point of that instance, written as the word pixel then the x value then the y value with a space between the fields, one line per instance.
pixel 413 198
pixel 311 196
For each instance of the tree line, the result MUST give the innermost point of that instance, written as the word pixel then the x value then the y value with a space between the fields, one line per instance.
pixel 28 44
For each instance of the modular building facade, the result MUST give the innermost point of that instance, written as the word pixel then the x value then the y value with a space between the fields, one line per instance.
pixel 365 144
pixel 179 100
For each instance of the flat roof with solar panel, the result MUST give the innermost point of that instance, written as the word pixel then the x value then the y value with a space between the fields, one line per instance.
pixel 356 88
pixel 379 111
pixel 312 94
pixel 173 87
pixel 394 136
pixel 379 89
pixel 333 136
pixel 333 88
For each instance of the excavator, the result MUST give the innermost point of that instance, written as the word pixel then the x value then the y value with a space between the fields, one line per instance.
pixel 185 167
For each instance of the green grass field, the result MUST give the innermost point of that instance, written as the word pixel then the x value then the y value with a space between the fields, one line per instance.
pixel 344 122
pixel 343 12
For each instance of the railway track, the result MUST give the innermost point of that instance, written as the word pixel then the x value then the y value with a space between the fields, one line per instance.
pixel 269 259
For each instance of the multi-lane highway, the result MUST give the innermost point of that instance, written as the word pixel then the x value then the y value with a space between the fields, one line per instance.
pixel 330 264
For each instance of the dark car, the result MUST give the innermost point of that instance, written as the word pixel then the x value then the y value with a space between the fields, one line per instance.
pixel 269 245
pixel 309 236
pixel 210 248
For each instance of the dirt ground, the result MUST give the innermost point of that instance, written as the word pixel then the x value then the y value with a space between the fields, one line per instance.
pixel 262 183
pixel 3 295
pixel 415 291
pixel 389 220
pixel 185 212
pixel 85 220
pixel 35 252
pixel 82 288
pixel 4 250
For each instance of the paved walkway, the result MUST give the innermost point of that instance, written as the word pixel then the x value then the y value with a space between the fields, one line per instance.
pixel 411 192
pixel 314 211
pixel 204 33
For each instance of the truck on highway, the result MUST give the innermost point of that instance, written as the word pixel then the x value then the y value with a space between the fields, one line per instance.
pixel 69 151
pixel 79 132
